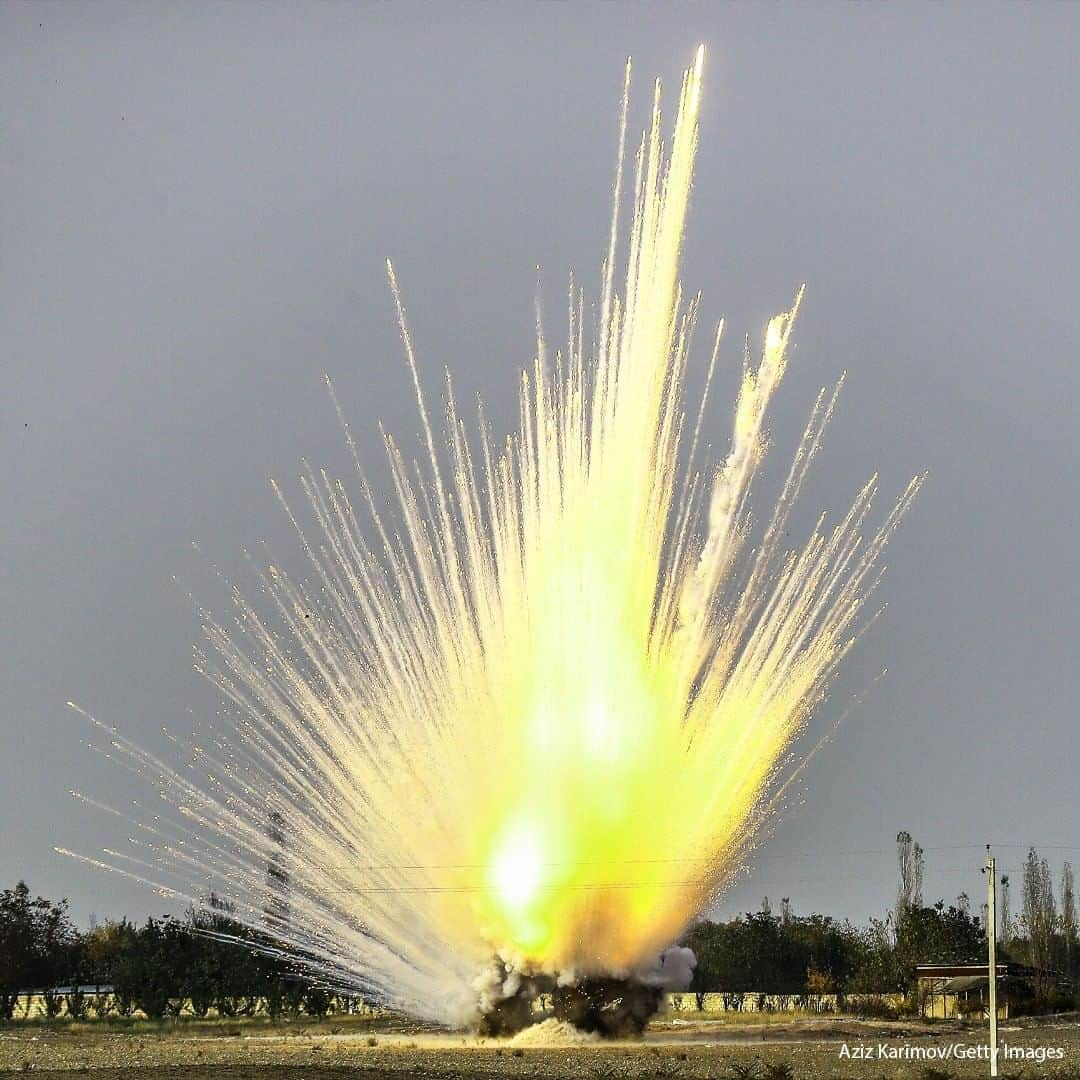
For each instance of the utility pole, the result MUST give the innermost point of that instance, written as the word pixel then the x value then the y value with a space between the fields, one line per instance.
pixel 991 942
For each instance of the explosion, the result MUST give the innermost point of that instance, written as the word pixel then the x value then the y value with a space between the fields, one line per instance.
pixel 461 755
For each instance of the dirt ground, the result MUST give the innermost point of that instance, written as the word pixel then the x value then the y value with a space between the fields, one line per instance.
pixel 780 1049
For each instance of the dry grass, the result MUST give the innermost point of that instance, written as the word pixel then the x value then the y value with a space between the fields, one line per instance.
pixel 774 1049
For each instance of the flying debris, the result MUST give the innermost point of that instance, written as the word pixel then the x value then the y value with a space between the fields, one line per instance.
pixel 459 756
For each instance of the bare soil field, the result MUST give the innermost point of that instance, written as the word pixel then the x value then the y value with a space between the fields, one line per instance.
pixel 778 1049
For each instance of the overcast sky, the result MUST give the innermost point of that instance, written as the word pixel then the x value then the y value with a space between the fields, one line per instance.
pixel 196 201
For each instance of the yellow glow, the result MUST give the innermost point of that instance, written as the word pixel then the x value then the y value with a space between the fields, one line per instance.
pixel 516 871
pixel 545 722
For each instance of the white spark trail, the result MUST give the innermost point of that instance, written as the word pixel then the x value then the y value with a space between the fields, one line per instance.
pixel 475 731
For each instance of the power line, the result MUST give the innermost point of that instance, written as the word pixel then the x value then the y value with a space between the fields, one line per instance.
pixel 754 858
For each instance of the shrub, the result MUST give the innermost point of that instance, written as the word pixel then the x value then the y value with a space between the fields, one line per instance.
pixel 745 1070
pixel 819 982
pixel 294 998
pixel 275 998
pixel 99 1005
pixel 53 1003
pixel 76 1002
pixel 930 1073
pixel 873 1006
pixel 781 1070
pixel 1042 1004
pixel 316 1002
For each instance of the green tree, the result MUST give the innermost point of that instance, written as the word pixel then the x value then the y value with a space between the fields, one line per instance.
pixel 149 971
pixel 37 941
pixel 1068 919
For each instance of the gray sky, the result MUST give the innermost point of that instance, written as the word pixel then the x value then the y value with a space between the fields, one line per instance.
pixel 195 206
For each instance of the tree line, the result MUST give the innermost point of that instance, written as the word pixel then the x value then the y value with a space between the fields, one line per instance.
pixel 162 968
pixel 168 965
pixel 783 953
